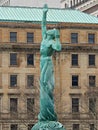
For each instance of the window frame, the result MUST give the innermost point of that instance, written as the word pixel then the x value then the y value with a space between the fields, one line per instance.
pixel 93 104
pixel 75 107
pixel 74 128
pixel 91 60
pixel 74 38
pixel 91 38
pixel 14 128
pixel 75 84
pixel 30 109
pixel 13 110
pixel 13 58
pixel 13 38
pixel 32 62
pixel 93 78
pixel 92 127
pixel 27 79
pixel 30 126
pixel 74 60
pixel 29 37
pixel 16 81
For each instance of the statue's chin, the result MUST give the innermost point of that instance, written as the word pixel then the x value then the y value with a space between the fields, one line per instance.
pixel 48 125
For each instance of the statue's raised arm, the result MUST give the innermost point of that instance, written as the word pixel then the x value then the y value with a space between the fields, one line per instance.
pixel 44 28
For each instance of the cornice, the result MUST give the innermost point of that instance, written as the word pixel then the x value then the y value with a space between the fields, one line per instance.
pixel 35 47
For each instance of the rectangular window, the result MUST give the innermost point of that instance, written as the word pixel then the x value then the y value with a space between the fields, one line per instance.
pixel 0 80
pixel 0 59
pixel 92 105
pixel 92 127
pixel 0 104
pixel 75 104
pixel 30 81
pixel 13 105
pixel 13 36
pixel 74 59
pixel 13 80
pixel 74 80
pixel 30 37
pixel 91 38
pixel 74 37
pixel 13 127
pixel 75 126
pixel 13 58
pixel 30 105
pixel 30 126
pixel 30 59
pixel 91 60
pixel 92 81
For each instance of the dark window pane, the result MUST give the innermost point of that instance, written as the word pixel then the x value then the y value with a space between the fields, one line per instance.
pixel 92 81
pixel 92 105
pixel 74 80
pixel 30 105
pixel 14 127
pixel 92 127
pixel 75 126
pixel 30 81
pixel 13 36
pixel 30 59
pixel 30 37
pixel 75 104
pixel 91 38
pixel 13 80
pixel 71 3
pixel 92 60
pixel 74 37
pixel 74 59
pixel 30 126
pixel 13 105
pixel 13 58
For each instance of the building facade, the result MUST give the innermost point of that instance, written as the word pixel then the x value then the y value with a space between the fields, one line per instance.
pixel 30 3
pixel 87 6
pixel 75 67
pixel 19 76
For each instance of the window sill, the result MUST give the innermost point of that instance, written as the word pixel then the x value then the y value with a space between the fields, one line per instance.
pixel 13 41
pixel 30 42
pixel 13 87
pixel 13 65
pixel 92 66
pixel 30 66
pixel 75 87
pixel 75 113
pixel 75 66
pixel 91 87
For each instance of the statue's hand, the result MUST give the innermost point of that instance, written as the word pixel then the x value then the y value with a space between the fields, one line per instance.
pixel 45 8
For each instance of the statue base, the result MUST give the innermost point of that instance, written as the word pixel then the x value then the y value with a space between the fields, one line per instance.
pixel 48 125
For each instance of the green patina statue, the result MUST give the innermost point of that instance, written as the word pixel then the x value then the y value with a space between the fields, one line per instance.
pixel 50 43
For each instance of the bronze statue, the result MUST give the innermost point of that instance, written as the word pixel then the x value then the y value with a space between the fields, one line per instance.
pixel 50 43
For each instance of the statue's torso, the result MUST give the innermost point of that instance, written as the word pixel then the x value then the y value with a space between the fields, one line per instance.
pixel 46 49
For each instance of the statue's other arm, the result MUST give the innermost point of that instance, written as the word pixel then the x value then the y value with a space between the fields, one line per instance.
pixel 44 29
pixel 57 45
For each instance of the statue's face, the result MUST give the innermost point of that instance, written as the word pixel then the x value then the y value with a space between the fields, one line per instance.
pixel 51 33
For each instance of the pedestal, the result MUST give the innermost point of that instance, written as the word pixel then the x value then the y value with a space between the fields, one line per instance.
pixel 48 125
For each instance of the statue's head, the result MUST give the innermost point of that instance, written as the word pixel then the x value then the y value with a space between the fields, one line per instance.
pixel 52 33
